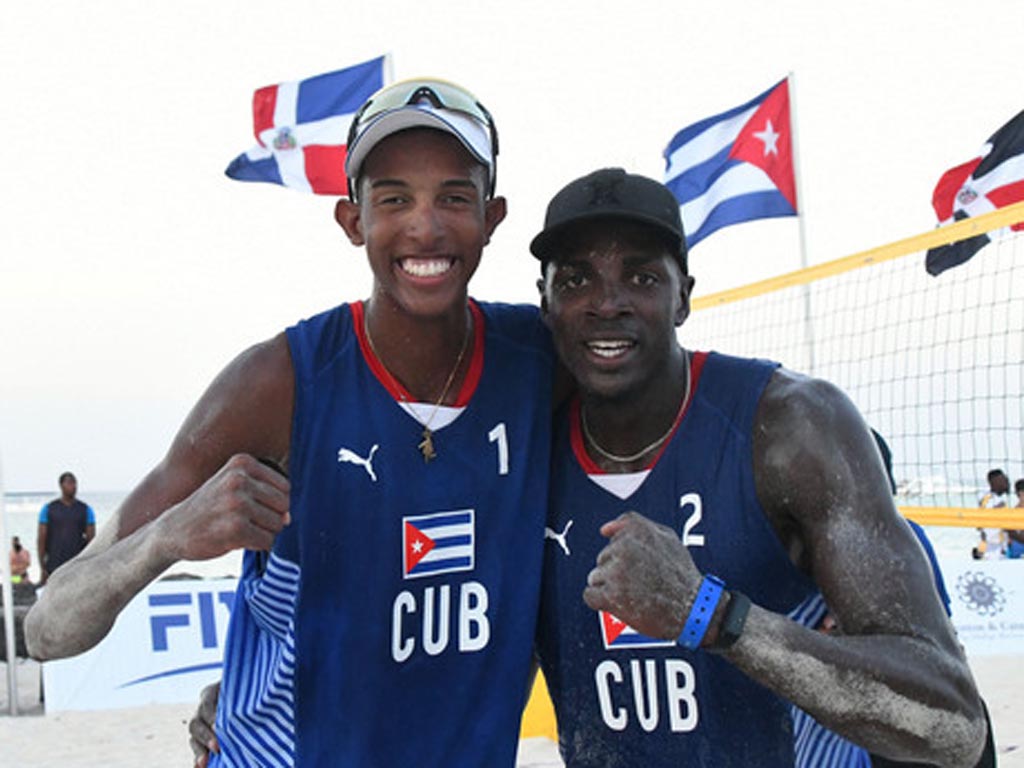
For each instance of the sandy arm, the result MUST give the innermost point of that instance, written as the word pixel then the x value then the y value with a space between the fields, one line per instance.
pixel 894 680
pixel 207 497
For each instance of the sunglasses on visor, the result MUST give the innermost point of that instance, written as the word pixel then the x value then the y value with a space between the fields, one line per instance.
pixel 441 94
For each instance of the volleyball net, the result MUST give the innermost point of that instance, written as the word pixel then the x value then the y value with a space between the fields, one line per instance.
pixel 935 364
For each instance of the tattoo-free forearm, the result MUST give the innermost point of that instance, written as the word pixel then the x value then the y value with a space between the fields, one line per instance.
pixel 869 688
pixel 85 595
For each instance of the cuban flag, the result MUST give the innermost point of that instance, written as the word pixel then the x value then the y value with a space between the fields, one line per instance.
pixel 617 635
pixel 993 179
pixel 443 542
pixel 301 129
pixel 734 167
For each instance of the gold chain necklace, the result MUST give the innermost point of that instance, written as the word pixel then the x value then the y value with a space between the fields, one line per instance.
pixel 426 445
pixel 643 451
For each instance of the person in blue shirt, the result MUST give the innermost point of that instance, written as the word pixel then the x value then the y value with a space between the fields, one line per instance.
pixel 1015 546
pixel 386 609
pixel 66 525
pixel 699 505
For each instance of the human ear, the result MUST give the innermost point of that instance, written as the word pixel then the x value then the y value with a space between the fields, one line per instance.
pixel 349 216
pixel 686 283
pixel 495 211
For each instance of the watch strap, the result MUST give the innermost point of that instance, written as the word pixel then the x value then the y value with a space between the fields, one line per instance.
pixel 708 595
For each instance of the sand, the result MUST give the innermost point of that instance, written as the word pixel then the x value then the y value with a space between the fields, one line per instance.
pixel 156 736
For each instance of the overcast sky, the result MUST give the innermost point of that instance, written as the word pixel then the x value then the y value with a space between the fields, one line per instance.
pixel 132 269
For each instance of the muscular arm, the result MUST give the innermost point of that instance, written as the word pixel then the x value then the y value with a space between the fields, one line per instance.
pixel 894 679
pixel 207 497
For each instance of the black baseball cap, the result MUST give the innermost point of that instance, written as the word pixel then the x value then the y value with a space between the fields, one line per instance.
pixel 612 193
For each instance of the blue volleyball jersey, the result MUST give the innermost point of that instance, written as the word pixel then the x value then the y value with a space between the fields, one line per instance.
pixel 395 616
pixel 623 699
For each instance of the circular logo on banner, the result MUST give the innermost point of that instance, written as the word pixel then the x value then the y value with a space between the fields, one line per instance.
pixel 980 593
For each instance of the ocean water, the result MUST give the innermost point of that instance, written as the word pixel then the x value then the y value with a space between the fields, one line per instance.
pixel 952 544
pixel 22 507
pixel 22 515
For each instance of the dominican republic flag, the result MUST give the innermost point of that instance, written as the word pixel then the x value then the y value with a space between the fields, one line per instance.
pixel 994 179
pixel 734 167
pixel 301 128
pixel 443 542
pixel 617 634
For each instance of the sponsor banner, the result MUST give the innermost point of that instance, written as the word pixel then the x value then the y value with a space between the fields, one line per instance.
pixel 167 644
pixel 987 598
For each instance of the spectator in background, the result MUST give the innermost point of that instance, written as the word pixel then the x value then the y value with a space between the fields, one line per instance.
pixel 993 540
pixel 1015 544
pixel 20 561
pixel 66 525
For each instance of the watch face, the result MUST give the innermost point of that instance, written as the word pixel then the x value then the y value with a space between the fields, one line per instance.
pixel 734 620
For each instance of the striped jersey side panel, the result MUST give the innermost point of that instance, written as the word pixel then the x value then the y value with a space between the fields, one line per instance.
pixel 256 713
pixel 815 746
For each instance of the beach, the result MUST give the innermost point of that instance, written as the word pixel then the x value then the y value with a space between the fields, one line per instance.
pixel 157 737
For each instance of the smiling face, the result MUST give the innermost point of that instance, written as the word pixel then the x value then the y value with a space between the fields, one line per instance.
pixel 613 296
pixel 424 219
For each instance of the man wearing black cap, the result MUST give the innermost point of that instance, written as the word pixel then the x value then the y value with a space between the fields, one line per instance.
pixel 717 496
pixel 378 620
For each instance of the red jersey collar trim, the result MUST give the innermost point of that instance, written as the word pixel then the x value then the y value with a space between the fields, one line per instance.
pixel 476 361
pixel 579 448
pixel 394 387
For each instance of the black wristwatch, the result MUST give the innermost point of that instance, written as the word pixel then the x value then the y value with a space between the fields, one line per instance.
pixel 731 628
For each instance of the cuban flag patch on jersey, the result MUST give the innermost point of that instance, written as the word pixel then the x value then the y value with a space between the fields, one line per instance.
pixel 442 542
pixel 618 635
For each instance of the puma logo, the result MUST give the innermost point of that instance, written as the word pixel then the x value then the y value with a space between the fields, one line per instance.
pixel 345 455
pixel 559 537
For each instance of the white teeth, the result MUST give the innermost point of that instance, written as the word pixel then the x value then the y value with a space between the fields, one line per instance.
pixel 425 267
pixel 609 348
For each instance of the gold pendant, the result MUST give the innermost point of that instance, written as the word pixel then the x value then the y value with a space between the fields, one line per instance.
pixel 427 445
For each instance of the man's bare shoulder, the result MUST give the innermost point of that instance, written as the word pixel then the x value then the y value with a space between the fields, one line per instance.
pixel 247 409
pixel 814 453
pixel 265 369
pixel 795 397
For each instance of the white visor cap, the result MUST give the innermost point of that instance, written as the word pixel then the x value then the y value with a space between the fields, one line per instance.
pixel 474 135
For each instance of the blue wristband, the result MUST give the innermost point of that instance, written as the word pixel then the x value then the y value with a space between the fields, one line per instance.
pixel 703 609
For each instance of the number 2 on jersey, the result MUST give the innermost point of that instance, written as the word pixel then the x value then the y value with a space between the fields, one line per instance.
pixel 691 539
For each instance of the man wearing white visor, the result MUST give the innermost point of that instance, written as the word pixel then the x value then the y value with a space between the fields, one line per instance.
pixel 386 610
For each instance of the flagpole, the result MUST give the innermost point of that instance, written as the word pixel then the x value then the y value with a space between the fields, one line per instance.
pixel 804 261
pixel 8 595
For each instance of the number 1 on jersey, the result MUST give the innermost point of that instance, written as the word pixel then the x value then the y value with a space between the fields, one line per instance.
pixel 497 435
